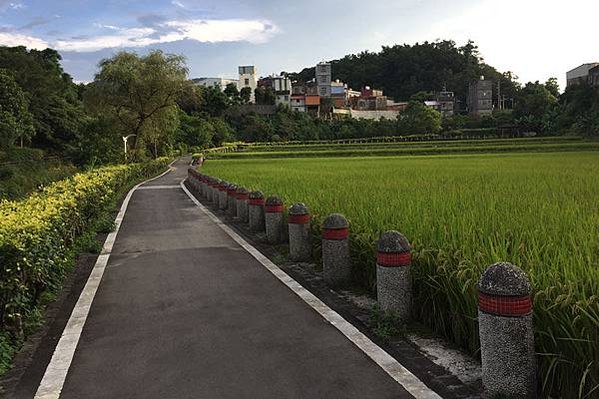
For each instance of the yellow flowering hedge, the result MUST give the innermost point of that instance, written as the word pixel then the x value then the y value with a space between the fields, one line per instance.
pixel 37 234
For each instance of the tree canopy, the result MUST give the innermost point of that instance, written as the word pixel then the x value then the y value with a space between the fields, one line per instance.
pixel 16 123
pixel 141 92
pixel 405 70
pixel 53 97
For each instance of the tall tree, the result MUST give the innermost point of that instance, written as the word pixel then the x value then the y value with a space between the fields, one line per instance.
pixel 534 102
pixel 53 97
pixel 264 95
pixel 417 118
pixel 215 101
pixel 141 92
pixel 245 94
pixel 16 123
pixel 553 86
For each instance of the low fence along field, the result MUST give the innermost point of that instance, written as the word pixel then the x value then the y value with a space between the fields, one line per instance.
pixel 463 213
pixel 424 147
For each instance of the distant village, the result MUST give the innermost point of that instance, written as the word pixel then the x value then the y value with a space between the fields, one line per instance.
pixel 323 95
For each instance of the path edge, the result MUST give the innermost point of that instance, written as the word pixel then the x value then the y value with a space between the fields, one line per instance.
pixel 384 360
pixel 56 372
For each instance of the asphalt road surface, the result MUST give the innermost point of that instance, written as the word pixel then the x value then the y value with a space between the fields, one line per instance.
pixel 183 311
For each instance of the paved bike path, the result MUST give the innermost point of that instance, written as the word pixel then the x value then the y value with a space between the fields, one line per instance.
pixel 183 311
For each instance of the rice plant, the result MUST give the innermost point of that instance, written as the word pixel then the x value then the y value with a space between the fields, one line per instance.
pixel 462 213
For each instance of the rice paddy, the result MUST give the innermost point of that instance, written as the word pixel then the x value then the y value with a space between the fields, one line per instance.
pixel 539 211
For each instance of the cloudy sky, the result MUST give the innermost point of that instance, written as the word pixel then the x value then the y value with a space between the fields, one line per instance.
pixel 535 39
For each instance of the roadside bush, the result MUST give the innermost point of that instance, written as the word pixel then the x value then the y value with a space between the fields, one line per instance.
pixel 37 236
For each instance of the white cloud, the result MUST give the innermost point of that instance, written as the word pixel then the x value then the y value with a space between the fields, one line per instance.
pixel 214 31
pixel 16 39
pixel 177 3
pixel 136 37
pixel 16 6
pixel 205 31
pixel 111 27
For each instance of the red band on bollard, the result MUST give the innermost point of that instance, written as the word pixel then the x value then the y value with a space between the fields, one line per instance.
pixel 335 234
pixel 243 197
pixel 299 219
pixel 274 208
pixel 504 305
pixel 256 201
pixel 394 258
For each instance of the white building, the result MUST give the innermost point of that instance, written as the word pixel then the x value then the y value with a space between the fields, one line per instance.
pixel 323 79
pixel 221 83
pixel 247 78
pixel 281 85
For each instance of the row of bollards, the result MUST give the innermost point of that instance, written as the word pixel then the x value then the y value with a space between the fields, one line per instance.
pixel 505 305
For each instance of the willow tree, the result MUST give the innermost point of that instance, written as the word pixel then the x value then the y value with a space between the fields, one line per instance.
pixel 140 93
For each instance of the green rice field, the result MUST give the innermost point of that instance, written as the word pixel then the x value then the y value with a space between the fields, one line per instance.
pixel 538 210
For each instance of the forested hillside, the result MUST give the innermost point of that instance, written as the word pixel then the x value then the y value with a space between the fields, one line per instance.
pixel 405 70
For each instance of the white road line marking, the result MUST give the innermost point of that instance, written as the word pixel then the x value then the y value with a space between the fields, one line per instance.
pixel 388 363
pixel 56 372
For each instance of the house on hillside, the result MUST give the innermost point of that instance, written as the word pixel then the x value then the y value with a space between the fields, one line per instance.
pixel 324 79
pixel 581 74
pixel 220 83
pixel 593 78
pixel 248 78
pixel 480 97
pixel 281 87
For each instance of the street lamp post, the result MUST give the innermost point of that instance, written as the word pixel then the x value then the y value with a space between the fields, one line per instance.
pixel 125 138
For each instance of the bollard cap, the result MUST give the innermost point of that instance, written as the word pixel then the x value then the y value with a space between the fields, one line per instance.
pixel 504 290
pixel 335 227
pixel 242 193
pixel 298 214
pixel 393 249
pixel 273 200
pixel 335 221
pixel 504 279
pixel 274 204
pixel 299 209
pixel 393 241
pixel 223 185
pixel 231 188
pixel 256 195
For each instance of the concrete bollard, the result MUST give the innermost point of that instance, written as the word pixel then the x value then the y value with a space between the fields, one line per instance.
pixel 243 196
pixel 256 211
pixel 203 186
pixel 273 220
pixel 336 263
pixel 209 185
pixel 197 183
pixel 506 332
pixel 393 281
pixel 216 194
pixel 232 200
pixel 222 195
pixel 300 246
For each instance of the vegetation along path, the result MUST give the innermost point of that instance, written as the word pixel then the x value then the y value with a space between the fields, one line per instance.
pixel 186 308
